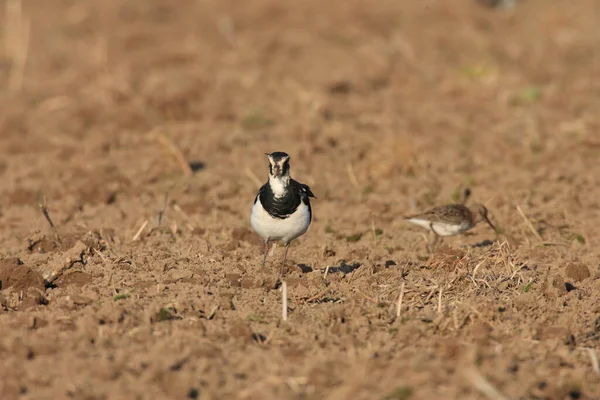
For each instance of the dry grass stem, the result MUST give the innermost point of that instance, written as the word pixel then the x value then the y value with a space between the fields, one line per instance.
pixel 176 152
pixel 139 232
pixel 373 230
pixel 594 359
pixel 44 208
pixel 481 384
pixel 400 298
pixel 317 296
pixel 284 301
pixel 163 211
pixel 367 297
pixel 352 176
pixel 529 224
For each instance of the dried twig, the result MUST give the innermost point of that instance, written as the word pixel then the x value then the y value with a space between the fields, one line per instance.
pixel 374 231
pixel 367 297
pixel 400 298
pixel 44 208
pixel 100 254
pixel 476 268
pixel 529 224
pixel 317 296
pixel 163 211
pixel 439 310
pixel 352 176
pixel 284 301
pixel 326 272
pixel 481 384
pixel 139 232
pixel 213 312
pixel 593 358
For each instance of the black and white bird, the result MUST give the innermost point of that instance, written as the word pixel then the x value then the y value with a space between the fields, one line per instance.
pixel 281 210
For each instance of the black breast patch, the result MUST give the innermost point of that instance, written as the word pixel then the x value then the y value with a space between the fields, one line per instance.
pixel 287 204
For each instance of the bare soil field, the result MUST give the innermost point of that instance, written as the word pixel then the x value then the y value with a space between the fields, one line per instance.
pixel 142 126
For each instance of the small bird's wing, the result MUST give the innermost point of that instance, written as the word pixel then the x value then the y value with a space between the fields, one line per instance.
pixel 451 213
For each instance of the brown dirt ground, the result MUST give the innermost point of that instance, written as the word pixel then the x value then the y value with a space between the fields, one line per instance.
pixel 386 107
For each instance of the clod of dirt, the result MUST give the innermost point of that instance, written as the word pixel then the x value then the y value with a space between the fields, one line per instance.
pixel 73 278
pixel 62 263
pixel 561 333
pixel 340 87
pixel 226 302
pixel 251 283
pixel 198 231
pixel 14 274
pixel 240 330
pixel 3 303
pixel 355 237
pixel 80 300
pixel 41 244
pixel 234 279
pixel 554 286
pixel 165 314
pixel 480 330
pixel 37 322
pixel 328 252
pixel 524 301
pixel 324 374
pixel 97 194
pixel 33 298
pixel 577 272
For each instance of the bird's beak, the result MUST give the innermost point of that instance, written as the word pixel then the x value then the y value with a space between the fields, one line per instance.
pixel 276 170
pixel 490 223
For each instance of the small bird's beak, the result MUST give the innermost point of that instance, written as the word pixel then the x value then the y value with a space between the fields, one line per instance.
pixel 490 223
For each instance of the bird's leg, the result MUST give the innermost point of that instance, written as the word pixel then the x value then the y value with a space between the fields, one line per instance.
pixel 436 238
pixel 284 259
pixel 267 248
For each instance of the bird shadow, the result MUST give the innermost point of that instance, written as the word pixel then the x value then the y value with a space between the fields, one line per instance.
pixel 305 268
pixel 344 268
pixel 196 166
pixel 484 243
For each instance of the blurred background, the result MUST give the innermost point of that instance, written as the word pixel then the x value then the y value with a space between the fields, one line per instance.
pixel 410 100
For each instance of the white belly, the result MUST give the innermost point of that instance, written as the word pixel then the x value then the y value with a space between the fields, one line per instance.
pixel 441 228
pixel 285 230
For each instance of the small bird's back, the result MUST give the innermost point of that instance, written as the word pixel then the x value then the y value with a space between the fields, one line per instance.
pixel 455 214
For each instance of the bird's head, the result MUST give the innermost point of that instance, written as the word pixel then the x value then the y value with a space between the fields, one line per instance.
pixel 279 164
